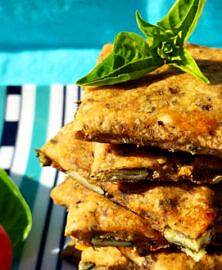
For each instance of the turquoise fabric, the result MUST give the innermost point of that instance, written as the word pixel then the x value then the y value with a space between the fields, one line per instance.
pixel 55 41
pixel 2 108
pixel 65 23
pixel 45 67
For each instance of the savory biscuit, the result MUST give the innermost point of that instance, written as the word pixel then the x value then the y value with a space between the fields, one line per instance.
pixel 124 258
pixel 167 108
pixel 96 220
pixel 129 163
pixel 185 214
pixel 107 162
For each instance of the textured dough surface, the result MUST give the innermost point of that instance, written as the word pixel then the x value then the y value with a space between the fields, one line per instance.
pixel 131 163
pixel 184 207
pixel 106 162
pixel 167 108
pixel 91 215
pixel 128 258
pixel 168 260
pixel 67 154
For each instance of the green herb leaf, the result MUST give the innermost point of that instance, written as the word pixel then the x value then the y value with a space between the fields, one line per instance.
pixel 183 17
pixel 155 35
pixel 178 25
pixel 15 215
pixel 187 64
pixel 131 58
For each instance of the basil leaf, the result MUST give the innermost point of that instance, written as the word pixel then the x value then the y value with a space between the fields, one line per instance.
pixel 188 64
pixel 15 215
pixel 183 16
pixel 155 35
pixel 131 58
pixel 171 33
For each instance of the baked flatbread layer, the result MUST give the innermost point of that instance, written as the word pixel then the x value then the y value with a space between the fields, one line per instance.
pixel 98 221
pixel 108 258
pixel 167 108
pixel 185 214
pixel 107 162
pixel 171 259
pixel 129 163
pixel 67 154
pixel 87 257
pixel 183 207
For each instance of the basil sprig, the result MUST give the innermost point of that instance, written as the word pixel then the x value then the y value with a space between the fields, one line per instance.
pixel 133 56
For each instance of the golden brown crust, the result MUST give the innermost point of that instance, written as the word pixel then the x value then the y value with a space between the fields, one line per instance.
pixel 67 154
pixel 104 256
pixel 184 207
pixel 168 260
pixel 167 108
pixel 105 162
pixel 128 258
pixel 91 215
pixel 217 239
pixel 187 208
pixel 131 163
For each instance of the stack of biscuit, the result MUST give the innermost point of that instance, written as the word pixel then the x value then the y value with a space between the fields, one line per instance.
pixel 143 161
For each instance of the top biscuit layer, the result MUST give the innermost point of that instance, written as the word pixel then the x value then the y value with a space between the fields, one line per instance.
pixel 167 108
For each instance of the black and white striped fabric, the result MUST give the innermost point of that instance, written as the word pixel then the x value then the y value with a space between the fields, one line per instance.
pixel 29 116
